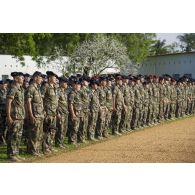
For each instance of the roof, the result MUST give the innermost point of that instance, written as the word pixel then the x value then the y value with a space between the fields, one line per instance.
pixel 171 54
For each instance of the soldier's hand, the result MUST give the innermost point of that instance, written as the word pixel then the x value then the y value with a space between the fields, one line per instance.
pixel 59 116
pixel 74 117
pixel 32 120
pixel 9 121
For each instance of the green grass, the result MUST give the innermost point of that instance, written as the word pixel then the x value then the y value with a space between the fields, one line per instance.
pixel 30 158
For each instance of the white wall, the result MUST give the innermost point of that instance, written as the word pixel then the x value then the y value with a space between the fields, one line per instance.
pixel 169 64
pixel 9 64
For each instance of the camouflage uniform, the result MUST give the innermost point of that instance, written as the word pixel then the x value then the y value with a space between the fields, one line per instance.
pixel 94 107
pixel 131 106
pixel 125 118
pixel 145 106
pixel 77 124
pixel 119 105
pixel 179 101
pixel 2 116
pixel 35 131
pixel 141 106
pixel 168 103
pixel 151 105
pixel 162 100
pixel 62 112
pixel 50 102
pixel 101 130
pixel 85 101
pixel 109 105
pixel 173 99
pixel 14 134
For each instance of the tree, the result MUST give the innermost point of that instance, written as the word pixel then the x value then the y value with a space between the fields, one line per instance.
pixel 96 55
pixel 188 41
pixel 160 47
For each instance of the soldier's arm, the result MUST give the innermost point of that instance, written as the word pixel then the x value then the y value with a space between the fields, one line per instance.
pixel 71 99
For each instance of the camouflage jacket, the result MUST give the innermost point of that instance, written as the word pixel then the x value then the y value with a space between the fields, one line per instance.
pixel 85 99
pixel 50 99
pixel 62 101
pixel 118 95
pixel 94 104
pixel 102 96
pixel 109 98
pixel 34 93
pixel 16 93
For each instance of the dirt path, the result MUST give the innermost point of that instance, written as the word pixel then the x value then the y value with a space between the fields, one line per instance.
pixel 170 142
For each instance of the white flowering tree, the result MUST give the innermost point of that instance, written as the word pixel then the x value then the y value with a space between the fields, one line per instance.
pixel 96 55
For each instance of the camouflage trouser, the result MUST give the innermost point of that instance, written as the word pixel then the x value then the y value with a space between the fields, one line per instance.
pixel 2 128
pixel 108 122
pixel 116 120
pixel 184 107
pixel 150 112
pixel 179 109
pixel 85 123
pixel 141 115
pixel 167 110
pixel 92 123
pixel 193 107
pixel 172 110
pixel 156 111
pixel 35 137
pixel 62 126
pixel 77 130
pixel 161 110
pixel 145 114
pixel 14 136
pixel 189 107
pixel 126 118
pixel 136 113
pixel 49 127
pixel 101 122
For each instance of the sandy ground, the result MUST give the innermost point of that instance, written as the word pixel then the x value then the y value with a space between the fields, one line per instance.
pixel 170 142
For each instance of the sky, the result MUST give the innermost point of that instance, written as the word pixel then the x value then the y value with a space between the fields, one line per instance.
pixel 169 37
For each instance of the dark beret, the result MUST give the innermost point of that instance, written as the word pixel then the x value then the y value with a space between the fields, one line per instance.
pixel 63 79
pixel 26 75
pixel 14 74
pixel 37 73
pixel 50 73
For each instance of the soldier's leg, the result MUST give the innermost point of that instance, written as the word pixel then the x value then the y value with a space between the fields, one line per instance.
pixel 35 137
pixel 135 118
pixel 14 136
pixel 74 130
pixel 92 125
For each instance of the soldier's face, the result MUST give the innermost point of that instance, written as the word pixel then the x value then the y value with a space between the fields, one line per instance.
pixel 53 79
pixel 38 80
pixel 20 79
pixel 120 82
pixel 77 87
pixel 65 85
pixel 85 83
pixel 109 83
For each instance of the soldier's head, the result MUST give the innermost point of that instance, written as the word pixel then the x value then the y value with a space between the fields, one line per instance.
pixel 63 82
pixel 103 81
pixel 85 81
pixel 109 81
pixel 146 85
pixel 37 77
pixel 94 84
pixel 119 80
pixel 173 81
pixel 52 77
pixel 26 77
pixel 19 78
pixel 3 85
pixel 161 80
pixel 125 80
pixel 77 85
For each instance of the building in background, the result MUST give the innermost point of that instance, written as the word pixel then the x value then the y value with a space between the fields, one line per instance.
pixel 9 64
pixel 176 65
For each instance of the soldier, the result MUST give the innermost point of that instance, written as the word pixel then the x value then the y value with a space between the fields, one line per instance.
pixel 15 117
pixel 3 93
pixel 76 114
pixel 132 101
pixel 125 117
pixel 85 101
pixel 109 104
pixel 36 115
pixel 179 99
pixel 50 102
pixel 101 129
pixel 145 103
pixel 118 102
pixel 62 112
pixel 137 100
pixel 173 99
pixel 94 107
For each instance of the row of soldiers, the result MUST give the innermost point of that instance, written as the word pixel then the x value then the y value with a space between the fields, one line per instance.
pixel 47 108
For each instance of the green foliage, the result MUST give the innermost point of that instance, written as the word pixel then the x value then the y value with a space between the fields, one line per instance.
pixel 188 41
pixel 46 44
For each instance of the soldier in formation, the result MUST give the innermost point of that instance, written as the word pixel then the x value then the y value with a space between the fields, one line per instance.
pixel 51 108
